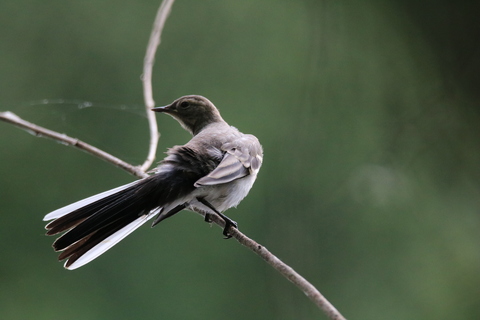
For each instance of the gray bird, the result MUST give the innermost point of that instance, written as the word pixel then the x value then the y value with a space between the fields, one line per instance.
pixel 213 172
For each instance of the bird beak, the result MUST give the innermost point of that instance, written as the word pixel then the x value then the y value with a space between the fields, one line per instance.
pixel 165 109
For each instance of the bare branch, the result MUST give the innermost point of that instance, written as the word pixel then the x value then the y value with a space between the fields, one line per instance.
pixel 310 291
pixel 285 270
pixel 39 131
pixel 148 62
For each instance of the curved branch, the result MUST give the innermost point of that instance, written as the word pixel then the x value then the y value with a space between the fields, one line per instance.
pixel 39 131
pixel 148 62
pixel 308 289
pixel 285 270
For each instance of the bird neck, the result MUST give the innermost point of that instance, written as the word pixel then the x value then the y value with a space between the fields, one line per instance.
pixel 200 124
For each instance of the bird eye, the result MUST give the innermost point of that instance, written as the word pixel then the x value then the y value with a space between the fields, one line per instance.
pixel 184 105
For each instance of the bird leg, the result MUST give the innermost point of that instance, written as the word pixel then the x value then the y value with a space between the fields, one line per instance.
pixel 207 217
pixel 228 222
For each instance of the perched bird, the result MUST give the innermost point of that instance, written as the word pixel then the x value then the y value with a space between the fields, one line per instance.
pixel 214 171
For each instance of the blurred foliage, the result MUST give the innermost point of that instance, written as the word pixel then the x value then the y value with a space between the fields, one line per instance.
pixel 369 116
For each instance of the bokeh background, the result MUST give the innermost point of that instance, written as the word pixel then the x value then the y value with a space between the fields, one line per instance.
pixel 369 116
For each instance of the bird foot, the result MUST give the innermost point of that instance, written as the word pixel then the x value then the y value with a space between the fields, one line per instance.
pixel 208 218
pixel 228 222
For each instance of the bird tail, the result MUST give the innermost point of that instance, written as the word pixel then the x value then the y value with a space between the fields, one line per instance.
pixel 95 224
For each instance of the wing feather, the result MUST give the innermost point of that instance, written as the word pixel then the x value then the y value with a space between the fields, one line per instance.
pixel 228 170
pixel 241 158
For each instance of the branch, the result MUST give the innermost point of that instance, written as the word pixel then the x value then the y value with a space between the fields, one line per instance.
pixel 148 62
pixel 39 131
pixel 285 270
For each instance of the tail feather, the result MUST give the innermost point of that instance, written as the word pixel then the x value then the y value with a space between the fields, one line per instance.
pixel 95 224
pixel 121 210
pixel 79 215
pixel 89 248
pixel 79 204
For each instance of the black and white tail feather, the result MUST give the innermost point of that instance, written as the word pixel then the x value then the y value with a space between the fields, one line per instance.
pixel 211 173
pixel 83 243
pixel 95 224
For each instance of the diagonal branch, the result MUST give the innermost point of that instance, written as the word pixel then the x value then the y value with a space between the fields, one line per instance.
pixel 148 62
pixel 39 131
pixel 285 270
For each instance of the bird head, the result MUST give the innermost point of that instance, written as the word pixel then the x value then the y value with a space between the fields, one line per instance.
pixel 192 112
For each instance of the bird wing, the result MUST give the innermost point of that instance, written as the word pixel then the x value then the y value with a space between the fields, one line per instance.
pixel 229 169
pixel 241 158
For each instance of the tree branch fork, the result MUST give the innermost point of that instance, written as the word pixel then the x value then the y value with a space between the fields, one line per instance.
pixel 140 171
pixel 308 289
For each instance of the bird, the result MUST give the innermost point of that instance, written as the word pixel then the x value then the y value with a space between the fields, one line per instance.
pixel 209 174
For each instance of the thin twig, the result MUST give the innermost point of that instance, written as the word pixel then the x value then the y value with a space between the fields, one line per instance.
pixel 285 270
pixel 271 259
pixel 39 131
pixel 148 62
pixel 280 266
pixel 308 289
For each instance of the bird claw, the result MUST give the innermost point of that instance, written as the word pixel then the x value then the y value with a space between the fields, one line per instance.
pixel 207 218
pixel 229 223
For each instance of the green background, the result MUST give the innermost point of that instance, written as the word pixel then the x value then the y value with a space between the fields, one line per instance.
pixel 368 113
